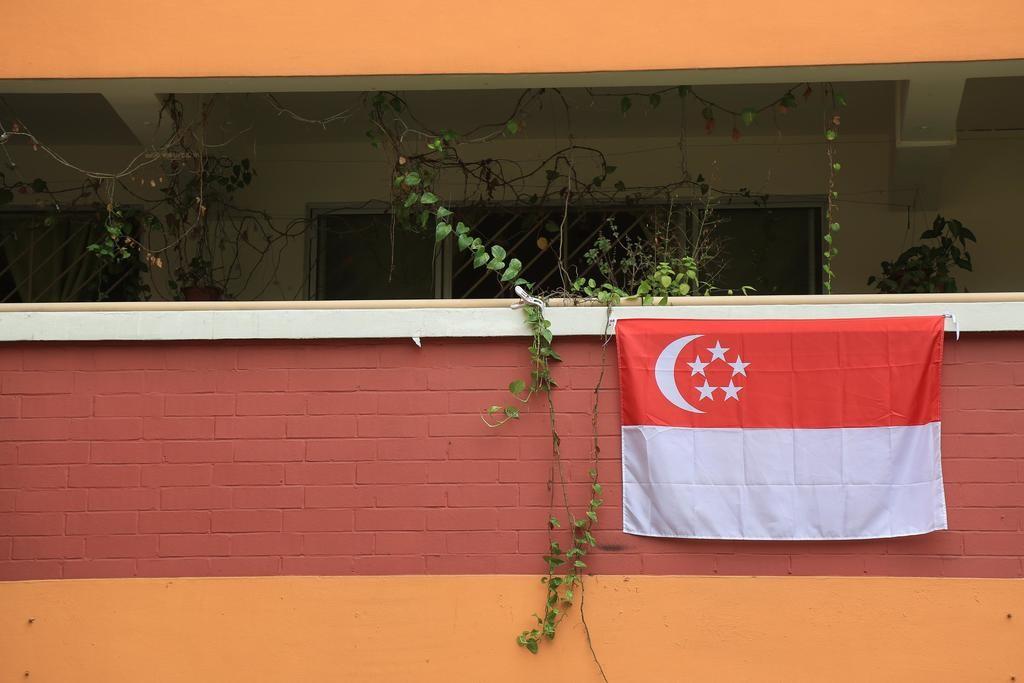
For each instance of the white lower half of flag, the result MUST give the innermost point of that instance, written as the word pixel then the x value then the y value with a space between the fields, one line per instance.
pixel 782 484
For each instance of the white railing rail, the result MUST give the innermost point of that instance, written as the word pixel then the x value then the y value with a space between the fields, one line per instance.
pixel 154 321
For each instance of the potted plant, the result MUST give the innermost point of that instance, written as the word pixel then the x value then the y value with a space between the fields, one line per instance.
pixel 194 281
pixel 200 200
pixel 928 267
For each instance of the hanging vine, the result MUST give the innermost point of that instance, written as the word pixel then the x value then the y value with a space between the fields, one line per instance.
pixel 565 566
pixel 832 226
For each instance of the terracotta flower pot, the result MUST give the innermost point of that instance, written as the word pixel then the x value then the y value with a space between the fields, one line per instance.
pixel 201 293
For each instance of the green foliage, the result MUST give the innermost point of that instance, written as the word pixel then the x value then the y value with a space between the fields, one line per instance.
pixel 676 279
pixel 541 355
pixel 198 272
pixel 664 262
pixel 7 191
pixel 117 241
pixel 493 259
pixel 708 114
pixel 120 226
pixel 603 292
pixel 565 566
pixel 564 570
pixel 117 228
pixel 929 267
pixel 191 199
pixel 414 203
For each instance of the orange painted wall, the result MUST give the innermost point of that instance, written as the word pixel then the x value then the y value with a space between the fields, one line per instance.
pixel 172 38
pixel 458 628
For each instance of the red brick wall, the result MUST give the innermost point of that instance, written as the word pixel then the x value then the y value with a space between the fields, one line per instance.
pixel 180 459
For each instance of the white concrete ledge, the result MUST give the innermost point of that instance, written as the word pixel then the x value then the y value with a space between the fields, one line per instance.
pixel 491 318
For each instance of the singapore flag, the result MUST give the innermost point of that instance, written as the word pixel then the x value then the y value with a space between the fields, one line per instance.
pixel 781 429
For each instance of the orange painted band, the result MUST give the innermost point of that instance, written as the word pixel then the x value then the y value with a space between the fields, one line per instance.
pixel 171 38
pixel 461 628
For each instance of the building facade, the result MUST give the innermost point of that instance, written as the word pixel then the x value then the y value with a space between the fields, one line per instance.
pixel 299 482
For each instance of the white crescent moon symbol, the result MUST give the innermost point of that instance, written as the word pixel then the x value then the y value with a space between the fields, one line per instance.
pixel 665 373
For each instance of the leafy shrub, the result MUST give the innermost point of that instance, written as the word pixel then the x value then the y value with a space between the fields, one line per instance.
pixel 929 267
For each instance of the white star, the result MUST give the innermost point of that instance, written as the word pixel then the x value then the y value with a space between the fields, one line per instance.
pixel 697 366
pixel 732 391
pixel 718 352
pixel 738 367
pixel 706 391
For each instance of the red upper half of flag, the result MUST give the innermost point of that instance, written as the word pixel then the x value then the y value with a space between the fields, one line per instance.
pixel 813 374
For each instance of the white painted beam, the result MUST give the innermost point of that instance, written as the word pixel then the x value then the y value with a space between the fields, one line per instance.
pixel 925 135
pixel 424 323
pixel 646 78
pixel 137 106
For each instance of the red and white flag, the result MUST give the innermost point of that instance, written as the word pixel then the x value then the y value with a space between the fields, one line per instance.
pixel 781 429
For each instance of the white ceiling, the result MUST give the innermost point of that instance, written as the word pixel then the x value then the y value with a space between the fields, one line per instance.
pixel 67 118
pixel 992 104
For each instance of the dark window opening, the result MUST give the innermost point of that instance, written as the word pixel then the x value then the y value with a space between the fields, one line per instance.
pixel 44 257
pixel 773 249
